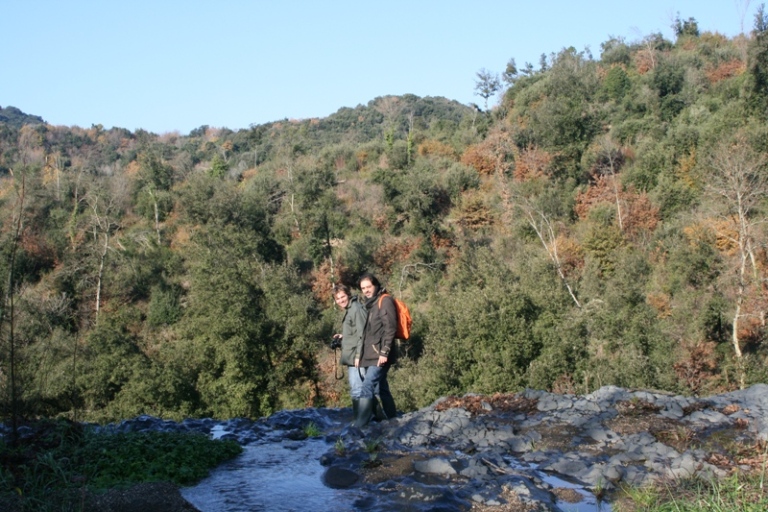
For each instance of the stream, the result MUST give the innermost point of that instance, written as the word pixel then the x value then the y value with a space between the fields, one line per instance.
pixel 286 475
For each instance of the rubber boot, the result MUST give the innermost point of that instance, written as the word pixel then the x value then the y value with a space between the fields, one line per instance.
pixel 388 406
pixel 364 412
pixel 378 411
pixel 355 408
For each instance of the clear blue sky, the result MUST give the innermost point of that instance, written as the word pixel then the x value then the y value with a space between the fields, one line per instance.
pixel 173 65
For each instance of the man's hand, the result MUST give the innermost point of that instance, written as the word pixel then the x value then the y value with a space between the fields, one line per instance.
pixel 382 361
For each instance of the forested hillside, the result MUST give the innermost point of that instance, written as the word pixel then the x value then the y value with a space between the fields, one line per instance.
pixel 604 223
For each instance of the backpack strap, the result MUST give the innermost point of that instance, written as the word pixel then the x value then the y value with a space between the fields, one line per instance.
pixel 382 298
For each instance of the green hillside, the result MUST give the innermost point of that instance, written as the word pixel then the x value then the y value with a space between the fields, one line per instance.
pixel 604 223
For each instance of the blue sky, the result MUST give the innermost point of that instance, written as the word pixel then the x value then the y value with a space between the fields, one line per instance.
pixel 170 65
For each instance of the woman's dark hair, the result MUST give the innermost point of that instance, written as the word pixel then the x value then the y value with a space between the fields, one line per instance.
pixel 369 277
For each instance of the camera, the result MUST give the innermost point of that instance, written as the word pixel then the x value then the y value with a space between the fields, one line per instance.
pixel 335 343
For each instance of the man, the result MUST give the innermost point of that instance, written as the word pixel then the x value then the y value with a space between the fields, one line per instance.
pixel 379 350
pixel 351 338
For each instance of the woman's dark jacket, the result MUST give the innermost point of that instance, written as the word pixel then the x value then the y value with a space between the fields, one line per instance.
pixel 352 332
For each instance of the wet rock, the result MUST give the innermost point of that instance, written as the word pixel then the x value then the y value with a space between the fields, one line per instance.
pixel 337 477
pixel 437 465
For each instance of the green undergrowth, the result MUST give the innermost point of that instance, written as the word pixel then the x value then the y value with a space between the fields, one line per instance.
pixel 738 493
pixel 62 461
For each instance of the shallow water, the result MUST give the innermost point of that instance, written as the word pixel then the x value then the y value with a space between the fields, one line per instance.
pixel 589 502
pixel 284 476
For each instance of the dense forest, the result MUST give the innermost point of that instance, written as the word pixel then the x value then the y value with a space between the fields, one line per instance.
pixel 603 222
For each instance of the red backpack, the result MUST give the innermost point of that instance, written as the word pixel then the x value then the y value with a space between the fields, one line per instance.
pixel 404 320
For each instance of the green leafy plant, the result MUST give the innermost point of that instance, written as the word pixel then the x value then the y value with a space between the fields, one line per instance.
pixel 372 461
pixel 66 460
pixel 372 445
pixel 339 447
pixel 312 430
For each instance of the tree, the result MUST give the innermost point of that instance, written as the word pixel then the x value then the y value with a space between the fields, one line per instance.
pixel 103 225
pixel 510 72
pixel 486 85
pixel 689 27
pixel 758 62
pixel 155 183
pixel 739 179
pixel 523 199
pixel 8 311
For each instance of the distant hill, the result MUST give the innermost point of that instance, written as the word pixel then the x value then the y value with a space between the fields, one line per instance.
pixel 16 118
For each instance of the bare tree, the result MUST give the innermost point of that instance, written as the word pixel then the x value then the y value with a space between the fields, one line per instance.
pixel 486 85
pixel 546 231
pixel 542 223
pixel 611 151
pixel 740 182
pixel 742 6
pixel 103 207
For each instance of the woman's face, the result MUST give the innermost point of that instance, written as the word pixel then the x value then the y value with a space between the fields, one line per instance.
pixel 342 299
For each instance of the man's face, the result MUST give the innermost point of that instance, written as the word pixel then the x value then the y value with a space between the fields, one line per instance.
pixel 342 299
pixel 366 286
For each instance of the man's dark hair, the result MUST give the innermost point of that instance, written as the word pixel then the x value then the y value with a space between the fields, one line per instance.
pixel 369 277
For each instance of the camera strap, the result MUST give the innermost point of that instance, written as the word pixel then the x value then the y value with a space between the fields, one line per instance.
pixel 336 360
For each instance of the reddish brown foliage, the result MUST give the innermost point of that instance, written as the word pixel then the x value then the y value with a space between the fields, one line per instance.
pixel 480 159
pixel 644 61
pixel 725 70
pixel 393 252
pixel 38 249
pixel 436 148
pixel 640 214
pixel 441 241
pixel 564 385
pixel 531 163
pixel 474 212
pixel 476 404
pixel 323 278
pixel 381 223
pixel 570 253
pixel 637 211
pixel 661 303
pixel 698 366
pixel 492 155
pixel 599 192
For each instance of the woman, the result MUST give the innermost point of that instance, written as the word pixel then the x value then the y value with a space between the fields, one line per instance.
pixel 351 337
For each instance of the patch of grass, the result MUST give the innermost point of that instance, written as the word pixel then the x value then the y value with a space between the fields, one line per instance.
pixel 312 430
pixel 372 445
pixel 65 460
pixel 680 437
pixel 738 493
pixel 339 447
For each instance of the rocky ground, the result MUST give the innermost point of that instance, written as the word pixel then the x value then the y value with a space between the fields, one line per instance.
pixel 495 453
pixel 491 451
